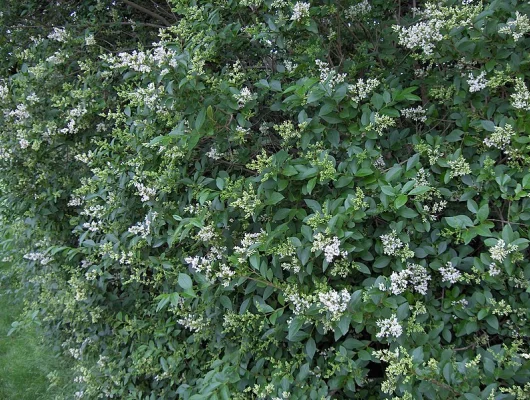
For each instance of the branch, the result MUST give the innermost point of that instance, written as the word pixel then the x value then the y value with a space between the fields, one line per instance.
pixel 148 12
pixel 86 25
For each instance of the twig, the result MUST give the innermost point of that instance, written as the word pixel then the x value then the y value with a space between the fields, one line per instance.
pixel 146 11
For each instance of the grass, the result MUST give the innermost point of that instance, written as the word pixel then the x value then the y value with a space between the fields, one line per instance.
pixel 25 361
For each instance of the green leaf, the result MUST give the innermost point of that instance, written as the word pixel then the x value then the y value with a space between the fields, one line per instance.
pixel 493 322
pixel 394 173
pixel 294 327
pixel 401 200
pixel 274 198
pixel 459 221
pixel 488 125
pixel 310 348
pixel 364 172
pixel 201 117
pixel 419 190
pixel 483 212
pixel 185 281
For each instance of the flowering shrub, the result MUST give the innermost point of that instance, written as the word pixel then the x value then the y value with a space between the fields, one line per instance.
pixel 275 199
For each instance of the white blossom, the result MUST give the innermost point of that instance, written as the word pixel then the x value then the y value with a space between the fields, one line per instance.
pixel 414 276
pixel 300 11
pixel 214 154
pixel 391 243
pixel 494 270
pixel 290 66
pixel 89 40
pixel 450 273
pixel 521 97
pixel 24 144
pixel 500 138
pixel 517 27
pixel 423 35
pixel 335 302
pixel 478 83
pixel 415 114
pixel 245 96
pixel 357 10
pixel 361 89
pixel 145 193
pixel 328 75
pixel 192 322
pixel 500 251
pixel 58 34
pixel 330 246
pixel 389 327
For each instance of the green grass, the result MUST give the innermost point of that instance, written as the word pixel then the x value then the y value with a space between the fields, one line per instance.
pixel 25 361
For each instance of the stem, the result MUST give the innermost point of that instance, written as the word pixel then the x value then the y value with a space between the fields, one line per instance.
pixel 148 12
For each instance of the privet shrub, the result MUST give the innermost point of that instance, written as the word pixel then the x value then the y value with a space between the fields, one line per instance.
pixel 303 200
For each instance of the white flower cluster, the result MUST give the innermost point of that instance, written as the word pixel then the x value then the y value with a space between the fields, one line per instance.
pixel 334 302
pixel 75 201
pixel 248 201
pixel 414 277
pixel 415 114
pixel 521 97
pixel 476 84
pixel 381 123
pixel 330 246
pixel 423 35
pixel 450 273
pixel 206 233
pixel 500 138
pixel 300 11
pixel 57 58
pixel 143 61
pixel 89 40
pixel 24 143
pixel 300 302
pixel 518 27
pixel 389 327
pixel 4 90
pixel 460 303
pixel 32 98
pixel 93 226
pixel 85 157
pixel 435 209
pixel 58 34
pixel 36 256
pixel 95 211
pixel 393 246
pixel 225 274
pixel 361 90
pixel 379 163
pixel 143 228
pixel 290 66
pixel 358 10
pixel 146 96
pixel 293 266
pixel 328 75
pixel 192 322
pixel 245 96
pixel 204 265
pixel 19 114
pixel 494 270
pixel 248 241
pixel 214 154
pixel 145 193
pixel 459 167
pixel 500 251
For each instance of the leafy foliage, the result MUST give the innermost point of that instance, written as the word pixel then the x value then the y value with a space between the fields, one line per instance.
pixel 278 199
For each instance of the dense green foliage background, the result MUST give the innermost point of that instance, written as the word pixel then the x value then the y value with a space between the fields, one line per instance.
pixel 273 199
